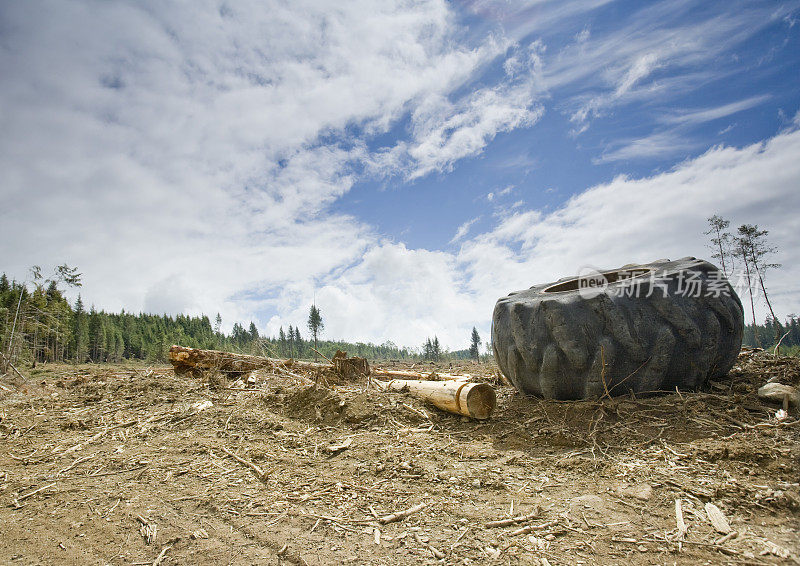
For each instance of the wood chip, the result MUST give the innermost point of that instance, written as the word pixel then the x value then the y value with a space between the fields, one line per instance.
pixel 198 534
pixel 718 519
pixel 160 558
pixel 531 528
pixel 514 520
pixel 679 520
pixel 148 530
pixel 34 492
pixel 334 449
pixel 400 515
pixel 260 474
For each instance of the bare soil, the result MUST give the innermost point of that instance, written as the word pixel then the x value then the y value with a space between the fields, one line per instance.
pixel 123 464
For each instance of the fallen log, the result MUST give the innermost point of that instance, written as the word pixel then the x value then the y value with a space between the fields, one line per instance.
pixel 194 359
pixel 406 374
pixel 476 400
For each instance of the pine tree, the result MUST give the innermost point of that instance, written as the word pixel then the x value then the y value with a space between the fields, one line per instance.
pixel 217 324
pixel 437 351
pixel 298 340
pixel 315 324
pixel 721 242
pixel 474 348
pixel 97 336
pixel 253 331
pixel 80 332
pixel 753 246
pixel 281 341
pixel 291 341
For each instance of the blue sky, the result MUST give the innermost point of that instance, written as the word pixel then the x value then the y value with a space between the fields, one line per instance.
pixel 404 164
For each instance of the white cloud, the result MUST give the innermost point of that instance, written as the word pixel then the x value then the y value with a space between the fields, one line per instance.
pixel 444 131
pixel 659 144
pixel 186 159
pixel 708 114
pixel 671 141
pixel 394 293
pixel 463 229
pixel 629 64
pixel 639 220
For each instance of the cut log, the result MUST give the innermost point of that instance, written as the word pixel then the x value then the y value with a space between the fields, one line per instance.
pixel 476 400
pixel 194 359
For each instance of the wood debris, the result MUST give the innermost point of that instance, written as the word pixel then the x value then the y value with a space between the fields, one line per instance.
pixel 335 448
pixel 514 520
pixel 148 530
pixel 259 473
pixel 400 515
pixel 717 519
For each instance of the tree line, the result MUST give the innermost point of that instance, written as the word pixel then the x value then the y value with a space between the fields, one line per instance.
pixel 38 324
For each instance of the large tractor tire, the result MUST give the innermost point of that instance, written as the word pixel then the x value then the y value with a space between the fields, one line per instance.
pixel 641 328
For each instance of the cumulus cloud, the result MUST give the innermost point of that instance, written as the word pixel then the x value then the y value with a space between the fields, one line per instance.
pixel 444 131
pixel 153 145
pixel 638 220
pixel 404 295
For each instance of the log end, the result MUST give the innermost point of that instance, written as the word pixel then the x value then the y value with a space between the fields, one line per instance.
pixel 481 401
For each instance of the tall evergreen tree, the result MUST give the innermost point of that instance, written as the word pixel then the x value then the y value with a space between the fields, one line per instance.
pixel 281 341
pixel 474 347
pixel 80 332
pixel 298 342
pixel 315 324
pixel 97 336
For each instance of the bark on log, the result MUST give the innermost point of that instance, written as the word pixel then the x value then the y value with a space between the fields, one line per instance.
pixel 476 400
pixel 193 359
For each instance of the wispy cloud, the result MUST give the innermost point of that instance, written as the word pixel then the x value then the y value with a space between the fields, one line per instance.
pixel 702 115
pixel 655 56
pixel 463 229
pixel 672 140
pixel 660 144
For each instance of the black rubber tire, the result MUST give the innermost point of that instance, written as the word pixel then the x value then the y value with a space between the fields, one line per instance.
pixel 561 341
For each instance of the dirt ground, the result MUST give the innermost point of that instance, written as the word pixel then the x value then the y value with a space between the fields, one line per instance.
pixel 124 464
